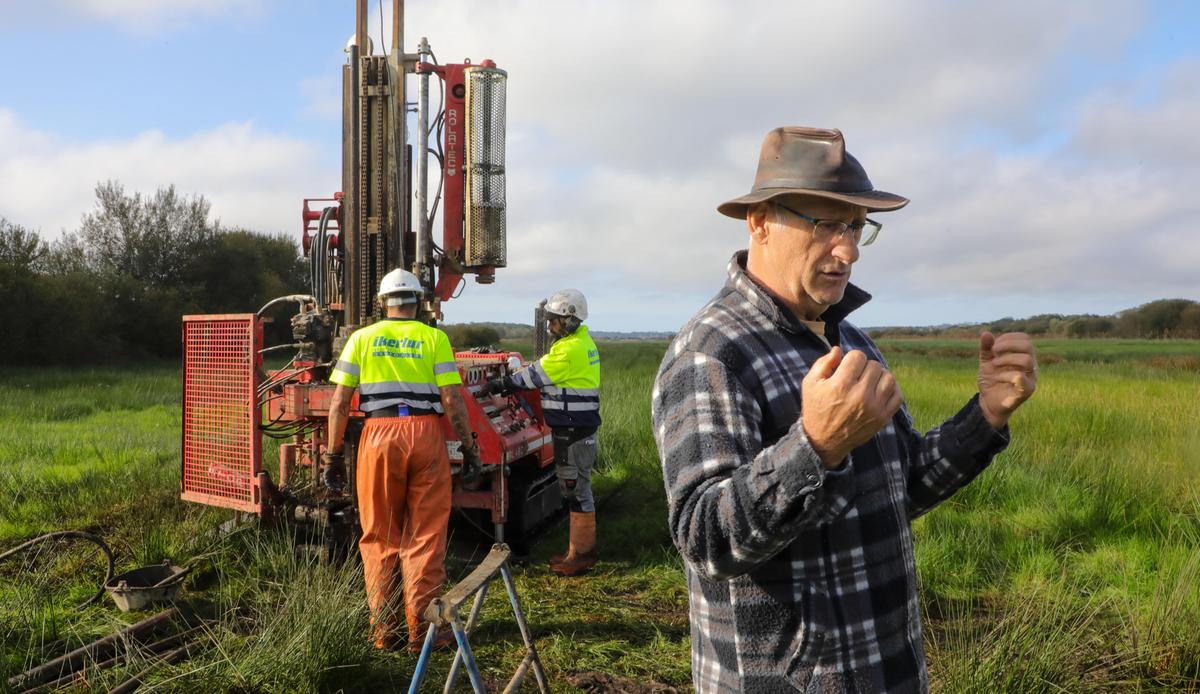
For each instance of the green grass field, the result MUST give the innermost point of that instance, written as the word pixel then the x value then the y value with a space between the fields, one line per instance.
pixel 1070 565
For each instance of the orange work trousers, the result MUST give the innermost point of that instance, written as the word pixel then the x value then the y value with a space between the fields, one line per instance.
pixel 404 491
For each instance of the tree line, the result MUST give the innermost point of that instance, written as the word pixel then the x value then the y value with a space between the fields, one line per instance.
pixel 467 335
pixel 1161 319
pixel 115 288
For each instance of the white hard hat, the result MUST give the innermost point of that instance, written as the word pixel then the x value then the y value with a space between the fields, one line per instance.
pixel 354 40
pixel 400 282
pixel 567 302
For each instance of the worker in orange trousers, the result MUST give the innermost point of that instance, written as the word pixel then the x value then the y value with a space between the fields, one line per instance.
pixel 407 379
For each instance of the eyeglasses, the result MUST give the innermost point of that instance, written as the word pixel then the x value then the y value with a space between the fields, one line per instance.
pixel 862 233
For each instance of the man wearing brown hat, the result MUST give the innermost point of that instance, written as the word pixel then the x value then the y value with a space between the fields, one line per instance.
pixel 792 468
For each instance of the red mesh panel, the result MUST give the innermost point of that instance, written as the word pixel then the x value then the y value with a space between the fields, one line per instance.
pixel 222 449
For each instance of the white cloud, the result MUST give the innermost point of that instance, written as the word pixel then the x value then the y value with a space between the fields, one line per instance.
pixel 658 132
pixel 625 81
pixel 988 225
pixel 1150 124
pixel 629 122
pixel 253 179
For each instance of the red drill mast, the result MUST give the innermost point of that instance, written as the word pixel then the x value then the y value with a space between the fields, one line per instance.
pixel 352 238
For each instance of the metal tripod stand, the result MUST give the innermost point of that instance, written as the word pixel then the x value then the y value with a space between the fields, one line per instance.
pixel 445 611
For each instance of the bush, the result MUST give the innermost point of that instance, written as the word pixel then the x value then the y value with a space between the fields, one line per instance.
pixel 470 335
pixel 118 286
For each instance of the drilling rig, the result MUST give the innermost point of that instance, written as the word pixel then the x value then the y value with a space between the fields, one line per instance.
pixel 351 238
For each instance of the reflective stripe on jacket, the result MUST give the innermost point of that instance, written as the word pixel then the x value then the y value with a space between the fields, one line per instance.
pixel 569 379
pixel 397 362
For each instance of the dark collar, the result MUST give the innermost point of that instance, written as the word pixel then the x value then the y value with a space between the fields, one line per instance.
pixel 762 298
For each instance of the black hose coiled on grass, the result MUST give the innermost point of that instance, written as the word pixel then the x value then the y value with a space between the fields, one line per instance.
pixel 77 534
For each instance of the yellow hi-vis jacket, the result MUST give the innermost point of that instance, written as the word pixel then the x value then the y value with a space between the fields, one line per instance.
pixel 397 362
pixel 569 378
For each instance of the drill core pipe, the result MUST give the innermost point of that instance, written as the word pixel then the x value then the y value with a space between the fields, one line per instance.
pixel 361 37
pixel 156 648
pixel 398 28
pixel 399 106
pixel 423 251
pixel 395 159
pixel 131 684
pixel 351 214
pixel 71 662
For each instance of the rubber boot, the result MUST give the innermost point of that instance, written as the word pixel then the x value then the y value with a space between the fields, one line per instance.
pixel 559 558
pixel 570 546
pixel 581 552
pixel 385 636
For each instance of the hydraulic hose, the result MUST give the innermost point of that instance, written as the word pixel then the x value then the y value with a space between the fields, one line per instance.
pixel 321 257
pixel 298 298
pixel 77 534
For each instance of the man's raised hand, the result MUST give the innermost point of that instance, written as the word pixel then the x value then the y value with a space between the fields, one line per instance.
pixel 847 399
pixel 1007 375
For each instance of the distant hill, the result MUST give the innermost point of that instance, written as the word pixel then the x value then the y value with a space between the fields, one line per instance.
pixel 636 335
pixel 515 331
pixel 522 331
pixel 1164 318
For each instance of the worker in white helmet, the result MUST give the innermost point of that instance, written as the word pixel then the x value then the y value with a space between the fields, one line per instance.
pixel 569 380
pixel 407 379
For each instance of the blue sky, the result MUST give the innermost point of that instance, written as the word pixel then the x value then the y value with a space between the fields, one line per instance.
pixel 176 72
pixel 1049 148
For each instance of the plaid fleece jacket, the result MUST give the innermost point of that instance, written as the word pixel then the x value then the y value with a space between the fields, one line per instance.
pixel 799 578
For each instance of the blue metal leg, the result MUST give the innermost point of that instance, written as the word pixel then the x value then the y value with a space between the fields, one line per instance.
pixel 423 661
pixel 526 634
pixel 468 658
pixel 480 597
pixel 445 610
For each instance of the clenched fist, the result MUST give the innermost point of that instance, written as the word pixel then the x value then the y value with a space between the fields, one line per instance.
pixel 1007 375
pixel 847 400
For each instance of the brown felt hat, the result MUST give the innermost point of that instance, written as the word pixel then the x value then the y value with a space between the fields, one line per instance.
pixel 810 161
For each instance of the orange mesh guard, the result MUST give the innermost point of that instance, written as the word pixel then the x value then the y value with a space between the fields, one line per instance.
pixel 222 448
